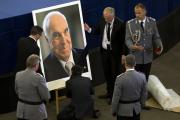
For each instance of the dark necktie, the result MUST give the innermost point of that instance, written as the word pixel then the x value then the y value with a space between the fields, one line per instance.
pixel 108 32
pixel 142 26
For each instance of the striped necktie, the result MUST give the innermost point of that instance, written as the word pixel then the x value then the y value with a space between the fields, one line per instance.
pixel 68 67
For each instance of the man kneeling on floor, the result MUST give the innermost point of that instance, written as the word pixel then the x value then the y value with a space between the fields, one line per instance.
pixel 80 90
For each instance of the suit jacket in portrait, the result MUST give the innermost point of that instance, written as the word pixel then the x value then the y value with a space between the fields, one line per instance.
pixel 53 68
pixel 148 38
pixel 80 90
pixel 26 47
pixel 117 35
pixel 31 86
pixel 129 86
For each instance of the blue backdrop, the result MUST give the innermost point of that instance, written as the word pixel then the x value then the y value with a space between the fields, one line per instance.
pixel 92 11
pixel 16 20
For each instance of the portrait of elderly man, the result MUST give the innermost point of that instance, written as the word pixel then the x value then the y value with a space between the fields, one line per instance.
pixel 63 56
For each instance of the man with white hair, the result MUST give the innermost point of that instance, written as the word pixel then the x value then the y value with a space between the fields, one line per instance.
pixel 111 30
pixel 59 62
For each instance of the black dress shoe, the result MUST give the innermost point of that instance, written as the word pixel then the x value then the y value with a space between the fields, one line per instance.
pixel 96 113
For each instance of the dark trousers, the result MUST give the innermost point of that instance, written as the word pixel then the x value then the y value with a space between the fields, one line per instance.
pixel 134 117
pixel 27 119
pixel 111 68
pixel 144 68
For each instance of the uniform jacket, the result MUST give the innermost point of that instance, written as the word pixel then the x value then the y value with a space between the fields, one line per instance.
pixel 80 90
pixel 31 86
pixel 129 86
pixel 148 38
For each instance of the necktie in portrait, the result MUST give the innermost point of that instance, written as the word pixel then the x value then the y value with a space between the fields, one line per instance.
pixel 68 67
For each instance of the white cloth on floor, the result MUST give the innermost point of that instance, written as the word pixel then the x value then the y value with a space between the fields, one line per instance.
pixel 157 89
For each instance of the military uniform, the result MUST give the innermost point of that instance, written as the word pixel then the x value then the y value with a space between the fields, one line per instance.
pixel 148 37
pixel 32 92
pixel 129 93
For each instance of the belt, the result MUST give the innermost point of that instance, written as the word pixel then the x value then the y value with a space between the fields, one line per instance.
pixel 30 102
pixel 128 102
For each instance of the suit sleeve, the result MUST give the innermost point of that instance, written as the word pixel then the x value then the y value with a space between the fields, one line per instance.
pixel 96 29
pixel 42 89
pixel 116 96
pixel 16 90
pixel 143 91
pixel 122 34
pixel 68 89
pixel 91 88
pixel 156 37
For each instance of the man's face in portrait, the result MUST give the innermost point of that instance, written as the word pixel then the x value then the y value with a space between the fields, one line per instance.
pixel 61 45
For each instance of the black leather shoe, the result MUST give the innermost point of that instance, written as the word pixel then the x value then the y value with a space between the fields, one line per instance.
pixel 96 114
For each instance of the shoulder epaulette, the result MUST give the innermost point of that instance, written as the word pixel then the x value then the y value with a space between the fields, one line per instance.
pixel 39 74
pixel 120 75
pixel 152 18
pixel 141 73
pixel 130 20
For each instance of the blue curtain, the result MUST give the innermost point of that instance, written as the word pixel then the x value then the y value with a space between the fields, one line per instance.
pixel 10 31
pixel 92 11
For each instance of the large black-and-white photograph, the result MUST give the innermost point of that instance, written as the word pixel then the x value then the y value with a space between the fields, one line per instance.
pixel 63 41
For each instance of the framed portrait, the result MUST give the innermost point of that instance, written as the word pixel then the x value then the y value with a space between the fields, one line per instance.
pixel 73 16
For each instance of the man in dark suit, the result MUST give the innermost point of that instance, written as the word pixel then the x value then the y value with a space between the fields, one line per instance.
pixel 80 90
pixel 129 92
pixel 63 57
pixel 111 30
pixel 28 46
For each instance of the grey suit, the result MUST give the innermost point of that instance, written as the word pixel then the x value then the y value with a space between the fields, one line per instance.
pixel 129 86
pixel 148 37
pixel 31 86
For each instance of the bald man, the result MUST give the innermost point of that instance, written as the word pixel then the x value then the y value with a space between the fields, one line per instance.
pixel 63 57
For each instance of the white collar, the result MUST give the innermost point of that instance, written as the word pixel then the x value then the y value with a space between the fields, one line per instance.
pixel 130 69
pixel 32 37
pixel 144 20
pixel 70 59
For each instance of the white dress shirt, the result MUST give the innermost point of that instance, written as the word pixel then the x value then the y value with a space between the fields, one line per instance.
pixel 144 20
pixel 105 41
